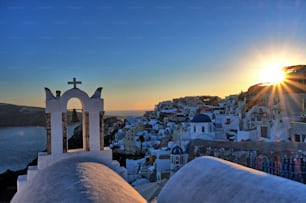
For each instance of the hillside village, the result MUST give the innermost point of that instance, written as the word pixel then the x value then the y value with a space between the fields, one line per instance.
pixel 265 113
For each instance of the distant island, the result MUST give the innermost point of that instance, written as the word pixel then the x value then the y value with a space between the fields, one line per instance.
pixel 14 115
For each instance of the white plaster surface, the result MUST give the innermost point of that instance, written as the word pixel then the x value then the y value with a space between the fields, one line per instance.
pixel 209 179
pixel 45 160
pixel 57 105
pixel 78 179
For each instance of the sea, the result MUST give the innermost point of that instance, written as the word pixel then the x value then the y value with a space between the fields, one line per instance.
pixel 135 113
pixel 20 145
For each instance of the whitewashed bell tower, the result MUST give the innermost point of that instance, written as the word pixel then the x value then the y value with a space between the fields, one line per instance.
pixel 178 158
pixel 92 119
pixel 56 126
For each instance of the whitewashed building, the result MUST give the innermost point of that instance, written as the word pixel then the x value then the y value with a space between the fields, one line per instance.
pixel 202 127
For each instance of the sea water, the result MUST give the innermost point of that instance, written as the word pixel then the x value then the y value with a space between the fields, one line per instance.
pixel 20 145
pixel 136 113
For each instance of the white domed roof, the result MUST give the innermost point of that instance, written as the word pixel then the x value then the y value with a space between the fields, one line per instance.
pixel 209 179
pixel 77 180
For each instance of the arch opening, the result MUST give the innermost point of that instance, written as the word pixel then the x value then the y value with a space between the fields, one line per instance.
pixel 74 136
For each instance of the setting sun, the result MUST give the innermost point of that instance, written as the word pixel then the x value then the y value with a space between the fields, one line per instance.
pixel 271 72
pixel 272 75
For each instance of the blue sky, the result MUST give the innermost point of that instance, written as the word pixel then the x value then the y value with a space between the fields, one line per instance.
pixel 142 51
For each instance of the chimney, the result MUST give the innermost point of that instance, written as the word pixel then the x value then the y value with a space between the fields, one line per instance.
pixel 58 93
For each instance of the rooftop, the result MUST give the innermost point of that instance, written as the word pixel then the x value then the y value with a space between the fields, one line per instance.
pixel 77 180
pixel 201 118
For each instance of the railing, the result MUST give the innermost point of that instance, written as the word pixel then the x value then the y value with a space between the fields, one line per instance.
pixel 291 166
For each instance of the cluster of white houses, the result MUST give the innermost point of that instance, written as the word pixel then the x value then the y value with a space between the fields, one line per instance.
pixel 266 112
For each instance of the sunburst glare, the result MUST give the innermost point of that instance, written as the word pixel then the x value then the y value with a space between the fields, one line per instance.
pixel 272 74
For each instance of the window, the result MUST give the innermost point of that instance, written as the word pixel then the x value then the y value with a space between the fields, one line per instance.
pixel 264 131
pixel 203 129
pixel 297 138
pixel 228 121
pixel 177 161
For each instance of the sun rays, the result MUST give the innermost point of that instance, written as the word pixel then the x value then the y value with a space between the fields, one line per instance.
pixel 284 98
pixel 281 85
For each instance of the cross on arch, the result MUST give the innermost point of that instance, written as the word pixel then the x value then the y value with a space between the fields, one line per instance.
pixel 74 83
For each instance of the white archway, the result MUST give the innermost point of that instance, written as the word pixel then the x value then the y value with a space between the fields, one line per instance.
pixel 93 113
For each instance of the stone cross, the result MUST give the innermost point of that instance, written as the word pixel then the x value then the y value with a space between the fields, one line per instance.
pixel 74 83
